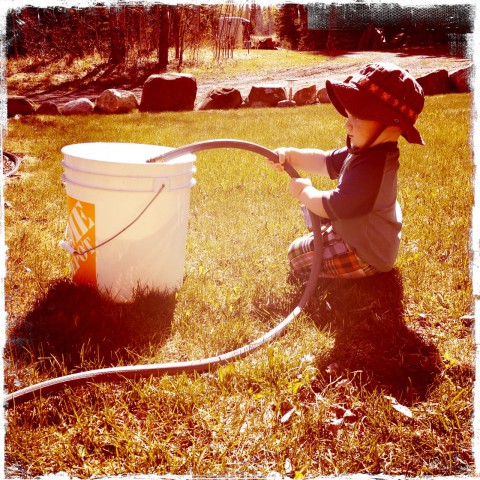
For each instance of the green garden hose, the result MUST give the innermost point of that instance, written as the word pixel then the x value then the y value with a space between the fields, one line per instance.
pixel 159 369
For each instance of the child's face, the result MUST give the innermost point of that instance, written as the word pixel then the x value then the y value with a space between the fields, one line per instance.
pixel 361 131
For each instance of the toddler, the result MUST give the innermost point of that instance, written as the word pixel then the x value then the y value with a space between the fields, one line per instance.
pixel 361 235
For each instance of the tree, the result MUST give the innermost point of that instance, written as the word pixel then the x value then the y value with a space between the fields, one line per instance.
pixel 118 49
pixel 288 24
pixel 163 36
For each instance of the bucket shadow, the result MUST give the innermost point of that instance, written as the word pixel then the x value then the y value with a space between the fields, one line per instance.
pixel 367 319
pixel 80 326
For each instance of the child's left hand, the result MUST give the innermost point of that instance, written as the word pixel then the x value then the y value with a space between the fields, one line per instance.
pixel 297 185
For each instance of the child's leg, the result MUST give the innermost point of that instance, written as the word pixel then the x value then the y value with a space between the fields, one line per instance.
pixel 338 260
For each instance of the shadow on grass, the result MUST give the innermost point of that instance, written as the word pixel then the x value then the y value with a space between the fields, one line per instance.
pixel 103 76
pixel 79 325
pixel 367 320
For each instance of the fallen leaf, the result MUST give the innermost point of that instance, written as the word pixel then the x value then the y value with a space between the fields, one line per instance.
pixel 399 407
pixel 287 416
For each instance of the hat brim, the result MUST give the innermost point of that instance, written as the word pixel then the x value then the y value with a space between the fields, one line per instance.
pixel 361 104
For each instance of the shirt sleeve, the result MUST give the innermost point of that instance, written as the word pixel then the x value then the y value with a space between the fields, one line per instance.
pixel 357 189
pixel 335 160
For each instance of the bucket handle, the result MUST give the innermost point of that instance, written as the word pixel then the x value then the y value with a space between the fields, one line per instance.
pixel 66 246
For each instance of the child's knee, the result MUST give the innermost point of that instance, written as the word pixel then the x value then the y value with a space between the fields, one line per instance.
pixel 300 252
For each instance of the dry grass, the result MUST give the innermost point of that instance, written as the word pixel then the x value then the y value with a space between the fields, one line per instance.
pixel 31 75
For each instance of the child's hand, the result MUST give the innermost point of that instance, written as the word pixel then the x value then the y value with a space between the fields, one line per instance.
pixel 297 186
pixel 282 158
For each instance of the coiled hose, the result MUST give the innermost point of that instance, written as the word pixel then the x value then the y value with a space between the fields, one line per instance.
pixel 159 369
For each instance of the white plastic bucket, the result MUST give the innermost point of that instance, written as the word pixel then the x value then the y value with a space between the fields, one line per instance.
pixel 108 186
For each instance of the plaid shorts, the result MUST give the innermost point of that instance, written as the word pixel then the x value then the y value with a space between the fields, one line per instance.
pixel 339 260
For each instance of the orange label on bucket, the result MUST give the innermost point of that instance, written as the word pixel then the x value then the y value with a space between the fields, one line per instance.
pixel 81 228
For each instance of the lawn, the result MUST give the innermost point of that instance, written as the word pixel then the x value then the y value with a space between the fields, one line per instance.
pixel 374 376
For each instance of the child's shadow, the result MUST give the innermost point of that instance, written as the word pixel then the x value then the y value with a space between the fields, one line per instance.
pixel 85 329
pixel 367 320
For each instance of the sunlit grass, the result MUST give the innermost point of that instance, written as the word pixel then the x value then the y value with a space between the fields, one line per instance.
pixel 252 61
pixel 315 402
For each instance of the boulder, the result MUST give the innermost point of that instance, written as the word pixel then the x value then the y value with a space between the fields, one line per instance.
pixel 435 83
pixel 19 105
pixel 116 101
pixel 322 96
pixel 287 103
pixel 222 99
pixel 168 92
pixel 266 95
pixel 48 108
pixel 306 95
pixel 80 106
pixel 460 79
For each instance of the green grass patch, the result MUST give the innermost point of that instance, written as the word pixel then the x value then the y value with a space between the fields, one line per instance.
pixel 318 401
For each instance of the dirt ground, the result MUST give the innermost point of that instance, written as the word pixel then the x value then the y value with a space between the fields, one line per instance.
pixel 339 68
pixel 349 64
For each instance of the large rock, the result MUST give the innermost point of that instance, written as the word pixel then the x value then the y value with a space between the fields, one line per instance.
pixel 460 79
pixel 222 99
pixel 168 92
pixel 116 101
pixel 19 105
pixel 435 83
pixel 306 95
pixel 48 108
pixel 80 106
pixel 266 95
pixel 322 95
pixel 286 103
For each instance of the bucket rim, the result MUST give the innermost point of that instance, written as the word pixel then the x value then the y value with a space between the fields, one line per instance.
pixel 108 174
pixel 155 184
pixel 89 151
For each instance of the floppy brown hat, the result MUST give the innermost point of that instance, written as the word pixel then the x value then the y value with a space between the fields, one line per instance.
pixel 383 92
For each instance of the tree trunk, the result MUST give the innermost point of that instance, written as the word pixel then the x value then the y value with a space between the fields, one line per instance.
pixel 163 35
pixel 117 35
pixel 176 30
